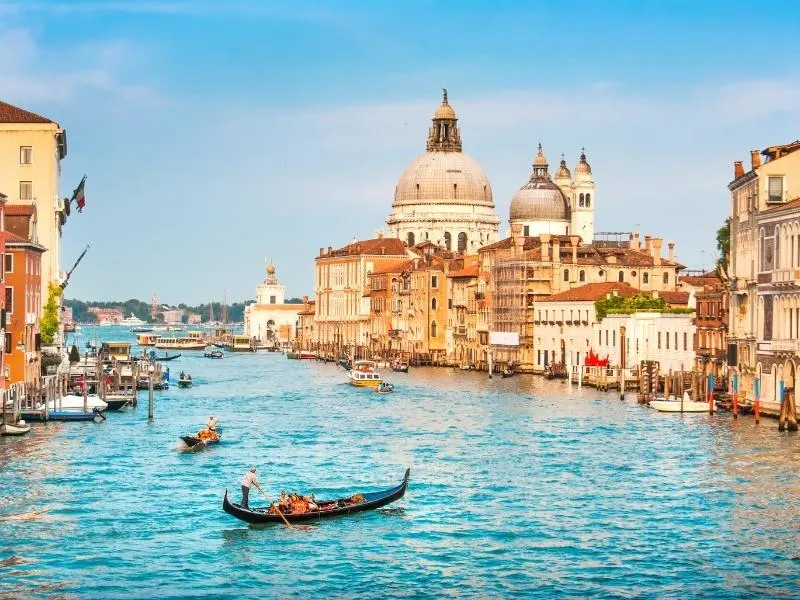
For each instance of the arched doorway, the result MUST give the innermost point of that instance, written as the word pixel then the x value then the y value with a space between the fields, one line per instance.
pixel 270 329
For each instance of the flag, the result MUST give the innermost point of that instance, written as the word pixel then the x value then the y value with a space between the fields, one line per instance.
pixel 78 196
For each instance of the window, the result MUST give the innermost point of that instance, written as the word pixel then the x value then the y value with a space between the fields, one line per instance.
pixel 434 303
pixel 434 281
pixel 601 273
pixel 447 240
pixel 588 200
pixel 462 242
pixel 566 274
pixel 659 340
pixel 775 189
pixel 526 230
pixel 433 329
pixel 8 343
pixel 614 338
pixel 9 299
pixel 25 155
pixel 606 337
pixel 9 266
pixel 621 276
pixel 667 336
pixel 645 277
pixel 599 338
pixel 580 200
pixel 666 278
pixel 272 299
pixel 410 238
pixel 676 341
pixel 25 190
pixel 449 303
pixel 582 276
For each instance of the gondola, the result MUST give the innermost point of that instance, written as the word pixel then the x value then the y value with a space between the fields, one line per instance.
pixel 507 373
pixel 167 357
pixel 195 442
pixel 185 383
pixel 345 364
pixel 400 367
pixel 328 508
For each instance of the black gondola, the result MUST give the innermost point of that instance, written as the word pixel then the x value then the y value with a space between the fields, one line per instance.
pixel 328 508
pixel 167 357
pixel 195 442
pixel 345 364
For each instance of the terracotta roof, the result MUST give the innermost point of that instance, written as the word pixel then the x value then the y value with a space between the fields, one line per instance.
pixel 787 206
pixel 469 271
pixel 593 291
pixel 397 266
pixel 21 210
pixel 709 279
pixel 13 237
pixel 384 245
pixel 672 298
pixel 13 114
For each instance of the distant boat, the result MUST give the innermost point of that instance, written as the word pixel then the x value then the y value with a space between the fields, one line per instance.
pixel 132 321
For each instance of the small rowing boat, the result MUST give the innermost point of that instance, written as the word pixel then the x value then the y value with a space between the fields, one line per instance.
pixel 195 443
pixel 347 505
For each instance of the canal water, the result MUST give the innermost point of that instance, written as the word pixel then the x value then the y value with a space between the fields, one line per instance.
pixel 519 488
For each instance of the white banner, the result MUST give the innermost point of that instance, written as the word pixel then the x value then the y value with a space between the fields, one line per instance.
pixel 503 338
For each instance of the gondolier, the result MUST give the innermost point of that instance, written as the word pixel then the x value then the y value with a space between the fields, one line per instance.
pixel 248 480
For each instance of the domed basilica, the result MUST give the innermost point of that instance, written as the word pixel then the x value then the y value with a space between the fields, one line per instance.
pixel 444 196
pixel 561 207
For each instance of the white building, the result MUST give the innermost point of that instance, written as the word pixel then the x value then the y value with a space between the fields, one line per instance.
pixel 560 207
pixel 664 337
pixel 444 196
pixel 269 318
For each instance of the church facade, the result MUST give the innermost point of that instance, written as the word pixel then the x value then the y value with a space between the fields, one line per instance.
pixel 269 320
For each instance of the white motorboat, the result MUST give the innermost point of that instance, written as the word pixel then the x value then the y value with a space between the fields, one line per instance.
pixel 72 402
pixel 673 404
pixel 18 428
pixel 132 321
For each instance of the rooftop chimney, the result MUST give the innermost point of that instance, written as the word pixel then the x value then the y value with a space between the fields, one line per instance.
pixel 755 159
pixel 738 169
pixel 330 249
pixel 632 242
pixel 544 239
pixel 574 240
pixel 648 247
pixel 321 251
pixel 657 242
pixel 556 249
pixel 671 252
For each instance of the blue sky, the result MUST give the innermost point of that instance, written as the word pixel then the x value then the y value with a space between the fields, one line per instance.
pixel 217 133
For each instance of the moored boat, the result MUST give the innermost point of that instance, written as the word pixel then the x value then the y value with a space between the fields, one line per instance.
pixel 347 505
pixel 363 374
pixel 400 366
pixel 179 343
pixel 211 353
pixel 185 380
pixel 18 428
pixel 673 404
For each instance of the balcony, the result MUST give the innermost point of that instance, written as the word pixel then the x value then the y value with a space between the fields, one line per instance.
pixel 785 346
pixel 785 277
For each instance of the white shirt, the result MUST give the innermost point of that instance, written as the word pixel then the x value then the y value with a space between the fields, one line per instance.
pixel 249 478
pixel 211 423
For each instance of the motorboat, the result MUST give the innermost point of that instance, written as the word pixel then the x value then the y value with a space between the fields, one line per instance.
pixel 185 380
pixel 364 374
pixel 673 404
pixel 18 428
pixel 211 353
pixel 76 402
pixel 132 321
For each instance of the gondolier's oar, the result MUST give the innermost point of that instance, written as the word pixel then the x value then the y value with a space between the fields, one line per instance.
pixel 278 510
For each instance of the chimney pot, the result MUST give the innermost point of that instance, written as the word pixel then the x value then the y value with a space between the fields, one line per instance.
pixel 755 159
pixel 738 169
pixel 544 240
pixel 556 250
pixel 671 251
pixel 321 251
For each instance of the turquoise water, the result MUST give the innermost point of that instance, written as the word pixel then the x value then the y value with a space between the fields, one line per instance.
pixel 519 488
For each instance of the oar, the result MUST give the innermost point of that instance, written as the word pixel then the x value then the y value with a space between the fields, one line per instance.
pixel 278 510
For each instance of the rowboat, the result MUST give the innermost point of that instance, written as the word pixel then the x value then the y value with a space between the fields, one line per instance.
pixel 167 357
pixel 18 428
pixel 327 508
pixel 674 405
pixel 195 443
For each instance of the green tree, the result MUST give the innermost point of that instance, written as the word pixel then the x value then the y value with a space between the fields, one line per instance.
pixel 49 324
pixel 724 244
pixel 74 355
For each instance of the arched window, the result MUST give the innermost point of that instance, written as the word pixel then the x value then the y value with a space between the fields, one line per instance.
pixel 434 303
pixel 588 200
pixel 601 273
pixel 455 190
pixel 433 329
pixel 462 242
pixel 621 276
pixel 566 274
pixel 447 240
pixel 645 277
pixel 666 278
pixel 417 191
pixel 582 276
pixel 410 238
pixel 580 200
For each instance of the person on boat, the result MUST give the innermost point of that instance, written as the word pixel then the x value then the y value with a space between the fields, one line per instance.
pixel 248 480
pixel 183 375
pixel 283 501
pixel 212 423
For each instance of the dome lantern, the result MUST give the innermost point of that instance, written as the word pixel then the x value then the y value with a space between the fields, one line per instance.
pixel 563 170
pixel 444 136
pixel 583 167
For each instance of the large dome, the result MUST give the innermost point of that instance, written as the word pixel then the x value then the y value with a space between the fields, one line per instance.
pixel 443 178
pixel 539 200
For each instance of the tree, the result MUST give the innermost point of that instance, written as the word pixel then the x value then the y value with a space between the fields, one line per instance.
pixel 724 244
pixel 74 355
pixel 49 323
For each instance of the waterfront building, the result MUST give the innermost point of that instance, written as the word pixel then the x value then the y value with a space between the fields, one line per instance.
pixel 107 316
pixel 341 281
pixel 22 295
pixel 31 150
pixel 762 272
pixel 388 287
pixel 3 314
pixel 443 196
pixel 711 322
pixel 270 319
pixel 561 207
pixel 307 333
pixel 463 344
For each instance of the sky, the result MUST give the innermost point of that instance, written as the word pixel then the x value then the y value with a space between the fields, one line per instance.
pixel 215 134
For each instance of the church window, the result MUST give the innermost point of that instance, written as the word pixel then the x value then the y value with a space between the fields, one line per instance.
pixel 601 273
pixel 417 191
pixel 272 299
pixel 433 329
pixel 485 195
pixel 582 276
pixel 447 240
pixel 566 274
pixel 621 276
pixel 411 238
pixel 588 200
pixel 462 242
pixel 526 230
pixel 434 303
pixel 666 278
pixel 455 190
pixel 426 235
pixel 580 200
pixel 434 281
pixel 645 277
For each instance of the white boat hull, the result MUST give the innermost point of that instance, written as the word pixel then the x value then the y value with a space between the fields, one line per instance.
pixel 678 406
pixel 21 428
pixel 74 402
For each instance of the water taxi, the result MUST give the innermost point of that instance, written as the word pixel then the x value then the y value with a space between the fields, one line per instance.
pixel 363 374
pixel 146 339
pixel 239 343
pixel 179 343
pixel 115 351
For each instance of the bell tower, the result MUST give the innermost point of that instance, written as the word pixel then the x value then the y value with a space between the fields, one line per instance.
pixel 583 201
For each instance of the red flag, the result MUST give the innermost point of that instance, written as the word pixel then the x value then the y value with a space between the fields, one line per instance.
pixel 78 195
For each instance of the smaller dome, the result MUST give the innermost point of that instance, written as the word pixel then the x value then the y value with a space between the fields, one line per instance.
pixel 563 170
pixel 539 200
pixel 540 160
pixel 583 167
pixel 445 111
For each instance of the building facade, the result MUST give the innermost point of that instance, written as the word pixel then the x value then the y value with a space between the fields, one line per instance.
pixel 443 196
pixel 269 320
pixel 31 150
pixel 464 348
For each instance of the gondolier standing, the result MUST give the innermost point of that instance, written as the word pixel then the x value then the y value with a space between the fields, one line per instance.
pixel 248 480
